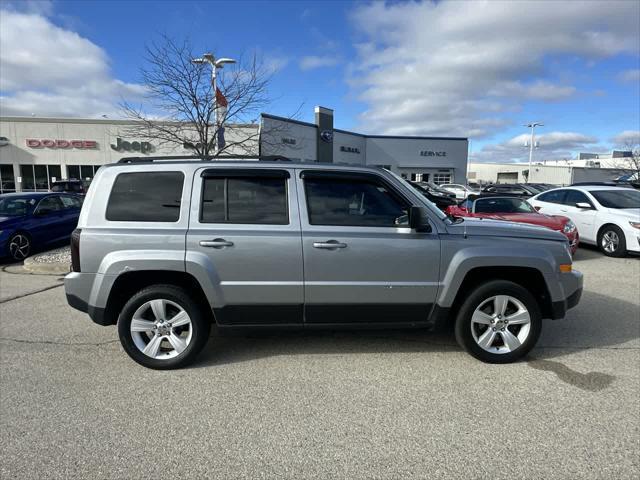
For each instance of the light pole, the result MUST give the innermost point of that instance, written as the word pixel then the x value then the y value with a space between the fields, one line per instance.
pixel 532 126
pixel 215 65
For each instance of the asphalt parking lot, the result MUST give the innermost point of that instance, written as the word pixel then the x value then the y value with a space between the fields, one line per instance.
pixel 392 404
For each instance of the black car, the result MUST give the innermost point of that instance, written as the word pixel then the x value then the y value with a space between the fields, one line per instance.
pixel 439 196
pixel 517 190
pixel 77 187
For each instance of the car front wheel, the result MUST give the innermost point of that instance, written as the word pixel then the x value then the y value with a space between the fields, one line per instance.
pixel 19 246
pixel 162 327
pixel 612 242
pixel 499 322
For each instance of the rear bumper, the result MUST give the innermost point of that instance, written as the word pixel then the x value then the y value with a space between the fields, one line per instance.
pixel 573 284
pixel 77 288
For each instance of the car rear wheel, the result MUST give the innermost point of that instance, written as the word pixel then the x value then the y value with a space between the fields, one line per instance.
pixel 612 242
pixel 19 246
pixel 162 327
pixel 499 322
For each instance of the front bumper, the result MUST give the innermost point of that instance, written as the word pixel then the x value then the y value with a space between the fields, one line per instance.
pixel 573 284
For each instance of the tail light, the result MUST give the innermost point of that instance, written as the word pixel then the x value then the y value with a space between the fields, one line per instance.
pixel 75 250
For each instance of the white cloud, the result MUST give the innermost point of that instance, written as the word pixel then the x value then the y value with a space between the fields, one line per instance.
pixel 462 68
pixel 628 137
pixel 551 146
pixel 313 61
pixel 630 76
pixel 51 71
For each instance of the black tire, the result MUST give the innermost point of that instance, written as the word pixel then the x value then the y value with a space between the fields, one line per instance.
pixel 620 250
pixel 200 325
pixel 18 246
pixel 463 325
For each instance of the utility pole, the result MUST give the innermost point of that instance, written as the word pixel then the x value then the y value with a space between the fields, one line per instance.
pixel 532 126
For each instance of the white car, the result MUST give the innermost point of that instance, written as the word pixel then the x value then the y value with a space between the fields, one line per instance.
pixel 608 217
pixel 461 191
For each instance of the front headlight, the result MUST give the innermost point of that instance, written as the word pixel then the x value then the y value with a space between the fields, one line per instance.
pixel 635 224
pixel 569 227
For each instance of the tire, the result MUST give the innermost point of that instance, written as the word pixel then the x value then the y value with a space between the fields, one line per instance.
pixel 477 322
pixel 167 346
pixel 19 246
pixel 611 241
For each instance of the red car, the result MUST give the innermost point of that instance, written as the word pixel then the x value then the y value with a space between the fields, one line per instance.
pixel 514 209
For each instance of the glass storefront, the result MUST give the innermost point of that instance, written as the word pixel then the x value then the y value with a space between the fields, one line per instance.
pixel 38 178
pixel 81 172
pixel 7 179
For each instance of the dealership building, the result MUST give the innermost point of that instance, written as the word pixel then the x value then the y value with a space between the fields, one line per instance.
pixel 34 152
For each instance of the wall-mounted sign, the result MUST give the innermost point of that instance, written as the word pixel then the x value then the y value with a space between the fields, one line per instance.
pixel 349 149
pixel 431 153
pixel 124 146
pixel 327 136
pixel 289 141
pixel 46 143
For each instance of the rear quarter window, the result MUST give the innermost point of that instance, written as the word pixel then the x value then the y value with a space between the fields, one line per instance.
pixel 145 197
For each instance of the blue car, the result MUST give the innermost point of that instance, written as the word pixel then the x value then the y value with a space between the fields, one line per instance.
pixel 30 221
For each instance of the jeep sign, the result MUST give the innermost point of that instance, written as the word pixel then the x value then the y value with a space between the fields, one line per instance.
pixel 124 146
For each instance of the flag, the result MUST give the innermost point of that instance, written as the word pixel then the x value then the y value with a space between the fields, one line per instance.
pixel 221 100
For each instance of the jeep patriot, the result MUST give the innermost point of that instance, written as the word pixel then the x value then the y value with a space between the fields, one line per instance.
pixel 167 247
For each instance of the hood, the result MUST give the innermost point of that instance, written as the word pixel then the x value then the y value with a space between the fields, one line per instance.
pixel 555 223
pixel 501 228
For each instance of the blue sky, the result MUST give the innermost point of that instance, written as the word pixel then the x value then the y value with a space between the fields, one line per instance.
pixel 478 69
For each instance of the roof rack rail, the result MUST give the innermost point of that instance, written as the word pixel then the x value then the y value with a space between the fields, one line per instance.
pixel 263 158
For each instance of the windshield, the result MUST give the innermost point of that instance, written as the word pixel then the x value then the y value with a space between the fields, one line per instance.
pixel 617 198
pixel 16 207
pixel 502 205
pixel 420 195
pixel 58 187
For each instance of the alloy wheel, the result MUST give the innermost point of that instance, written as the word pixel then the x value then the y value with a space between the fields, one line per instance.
pixel 19 247
pixel 610 241
pixel 161 329
pixel 500 324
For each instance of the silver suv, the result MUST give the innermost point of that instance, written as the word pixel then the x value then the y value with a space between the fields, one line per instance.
pixel 166 248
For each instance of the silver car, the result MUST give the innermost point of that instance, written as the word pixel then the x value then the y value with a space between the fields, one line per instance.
pixel 166 248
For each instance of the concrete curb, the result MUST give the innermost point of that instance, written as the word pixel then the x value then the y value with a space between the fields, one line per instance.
pixel 56 268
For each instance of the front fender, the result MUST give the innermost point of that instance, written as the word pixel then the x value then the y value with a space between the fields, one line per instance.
pixel 467 259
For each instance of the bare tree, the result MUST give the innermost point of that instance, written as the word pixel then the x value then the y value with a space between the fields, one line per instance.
pixel 631 162
pixel 183 102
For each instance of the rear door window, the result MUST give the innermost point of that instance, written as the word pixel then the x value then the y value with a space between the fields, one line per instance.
pixel 146 197
pixel 555 196
pixel 245 199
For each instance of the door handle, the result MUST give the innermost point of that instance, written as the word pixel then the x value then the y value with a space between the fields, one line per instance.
pixel 216 243
pixel 329 245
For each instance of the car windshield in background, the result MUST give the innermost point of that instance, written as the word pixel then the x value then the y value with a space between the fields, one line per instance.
pixel 428 202
pixel 59 187
pixel 617 198
pixel 502 205
pixel 15 207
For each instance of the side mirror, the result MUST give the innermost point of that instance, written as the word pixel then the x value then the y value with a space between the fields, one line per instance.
pixel 419 220
pixel 584 205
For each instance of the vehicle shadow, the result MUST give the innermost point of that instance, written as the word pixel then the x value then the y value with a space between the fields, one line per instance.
pixel 591 252
pixel 589 326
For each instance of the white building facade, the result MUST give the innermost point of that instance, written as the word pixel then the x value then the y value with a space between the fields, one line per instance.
pixel 34 152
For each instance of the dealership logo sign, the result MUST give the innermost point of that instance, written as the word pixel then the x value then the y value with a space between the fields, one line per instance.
pixel 124 146
pixel 47 143
pixel 289 141
pixel 349 149
pixel 431 153
pixel 327 136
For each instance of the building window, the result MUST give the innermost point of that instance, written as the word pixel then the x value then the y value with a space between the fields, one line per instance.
pixel 38 178
pixel 81 172
pixel 440 178
pixel 7 180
